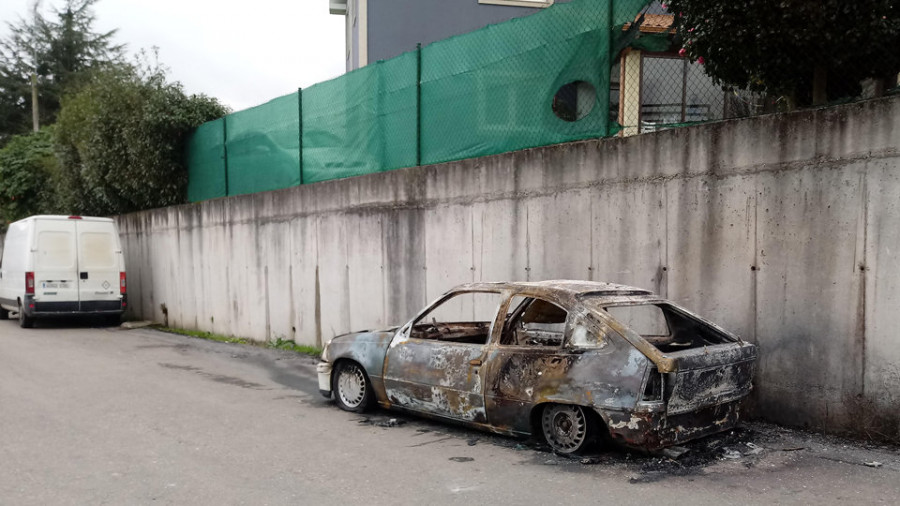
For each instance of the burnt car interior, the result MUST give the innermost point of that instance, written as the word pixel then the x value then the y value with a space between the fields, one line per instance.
pixel 665 328
pixel 444 322
pixel 534 322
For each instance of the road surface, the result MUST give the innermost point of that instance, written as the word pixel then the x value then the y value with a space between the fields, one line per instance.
pixel 108 416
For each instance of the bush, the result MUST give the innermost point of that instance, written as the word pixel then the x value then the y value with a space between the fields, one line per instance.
pixel 27 171
pixel 121 137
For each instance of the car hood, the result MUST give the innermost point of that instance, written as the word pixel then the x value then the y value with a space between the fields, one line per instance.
pixel 366 348
pixel 364 335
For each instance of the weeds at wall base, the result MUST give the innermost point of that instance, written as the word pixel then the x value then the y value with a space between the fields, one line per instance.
pixel 277 344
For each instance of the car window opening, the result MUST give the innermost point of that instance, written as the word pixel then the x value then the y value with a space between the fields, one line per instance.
pixel 534 322
pixel 463 318
pixel 665 328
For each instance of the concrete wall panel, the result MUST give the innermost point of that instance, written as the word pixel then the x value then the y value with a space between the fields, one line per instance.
pixel 500 240
pixel 629 235
pixel 879 403
pixel 710 253
pixel 365 268
pixel 809 293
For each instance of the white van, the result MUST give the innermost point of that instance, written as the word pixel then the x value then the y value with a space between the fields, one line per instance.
pixel 61 266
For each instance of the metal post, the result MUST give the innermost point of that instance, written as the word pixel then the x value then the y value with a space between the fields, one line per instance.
pixel 225 149
pixel 418 104
pixel 607 66
pixel 300 128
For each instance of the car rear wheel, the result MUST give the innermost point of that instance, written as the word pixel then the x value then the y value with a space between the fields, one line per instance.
pixel 4 314
pixel 24 321
pixel 567 429
pixel 352 389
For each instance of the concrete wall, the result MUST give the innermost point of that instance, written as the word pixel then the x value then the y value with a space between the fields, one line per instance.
pixel 785 229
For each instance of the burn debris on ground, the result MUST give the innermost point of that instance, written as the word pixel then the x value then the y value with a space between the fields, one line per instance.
pixel 382 421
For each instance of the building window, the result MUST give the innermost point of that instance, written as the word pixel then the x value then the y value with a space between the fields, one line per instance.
pixel 519 3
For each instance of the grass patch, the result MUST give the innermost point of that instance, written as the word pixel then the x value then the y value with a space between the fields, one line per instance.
pixel 209 336
pixel 283 344
pixel 277 344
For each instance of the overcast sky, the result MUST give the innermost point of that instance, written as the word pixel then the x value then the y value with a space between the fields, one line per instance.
pixel 242 52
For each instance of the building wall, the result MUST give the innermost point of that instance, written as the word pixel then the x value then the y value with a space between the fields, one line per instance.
pixel 396 26
pixel 782 228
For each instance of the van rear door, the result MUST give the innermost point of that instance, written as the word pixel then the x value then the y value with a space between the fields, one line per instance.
pixel 98 265
pixel 55 266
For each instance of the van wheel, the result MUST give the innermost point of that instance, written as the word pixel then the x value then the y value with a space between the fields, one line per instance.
pixel 24 321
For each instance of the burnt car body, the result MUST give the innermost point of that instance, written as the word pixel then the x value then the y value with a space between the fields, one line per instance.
pixel 568 360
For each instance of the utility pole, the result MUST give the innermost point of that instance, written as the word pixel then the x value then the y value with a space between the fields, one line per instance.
pixel 34 103
pixel 35 120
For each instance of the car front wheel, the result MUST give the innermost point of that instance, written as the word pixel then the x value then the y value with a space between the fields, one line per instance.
pixel 353 391
pixel 566 428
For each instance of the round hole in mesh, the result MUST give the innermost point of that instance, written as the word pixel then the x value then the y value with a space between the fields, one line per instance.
pixel 574 100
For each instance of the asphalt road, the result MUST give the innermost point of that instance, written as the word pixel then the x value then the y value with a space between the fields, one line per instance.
pixel 107 416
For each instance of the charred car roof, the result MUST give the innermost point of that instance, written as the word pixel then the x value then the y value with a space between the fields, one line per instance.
pixel 564 290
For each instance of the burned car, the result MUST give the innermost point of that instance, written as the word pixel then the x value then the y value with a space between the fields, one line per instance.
pixel 570 361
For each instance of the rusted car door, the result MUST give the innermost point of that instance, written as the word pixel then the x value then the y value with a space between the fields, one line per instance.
pixel 434 364
pixel 547 354
pixel 529 364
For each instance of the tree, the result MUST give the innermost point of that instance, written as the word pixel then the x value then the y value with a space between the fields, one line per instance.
pixel 60 51
pixel 810 51
pixel 121 138
pixel 27 170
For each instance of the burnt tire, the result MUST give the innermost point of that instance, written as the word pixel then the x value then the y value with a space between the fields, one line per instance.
pixel 25 321
pixel 567 429
pixel 352 389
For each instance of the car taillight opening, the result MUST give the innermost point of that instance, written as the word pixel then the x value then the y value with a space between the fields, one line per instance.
pixel 122 285
pixel 29 283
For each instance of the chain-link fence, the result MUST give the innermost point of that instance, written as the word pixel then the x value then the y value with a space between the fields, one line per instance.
pixel 577 70
pixel 691 61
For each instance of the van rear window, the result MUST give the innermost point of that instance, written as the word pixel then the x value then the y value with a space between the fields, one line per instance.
pixel 54 250
pixel 97 250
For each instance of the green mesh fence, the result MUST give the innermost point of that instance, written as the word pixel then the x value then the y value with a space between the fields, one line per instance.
pixel 362 122
pixel 532 81
pixel 205 158
pixel 263 146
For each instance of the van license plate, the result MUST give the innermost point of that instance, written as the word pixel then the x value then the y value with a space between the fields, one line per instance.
pixel 54 285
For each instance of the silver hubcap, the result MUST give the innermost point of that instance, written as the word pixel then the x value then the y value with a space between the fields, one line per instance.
pixel 352 386
pixel 565 427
